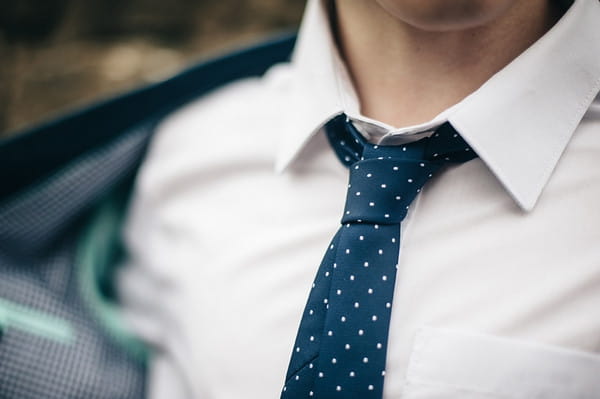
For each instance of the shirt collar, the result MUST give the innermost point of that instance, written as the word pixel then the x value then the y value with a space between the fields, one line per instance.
pixel 519 122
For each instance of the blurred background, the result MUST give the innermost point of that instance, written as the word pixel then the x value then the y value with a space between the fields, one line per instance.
pixel 56 55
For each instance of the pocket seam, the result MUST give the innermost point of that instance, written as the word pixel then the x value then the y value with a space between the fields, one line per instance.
pixel 423 338
pixel 523 368
pixel 459 389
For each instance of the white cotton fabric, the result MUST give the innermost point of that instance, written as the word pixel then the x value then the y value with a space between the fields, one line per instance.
pixel 446 363
pixel 240 195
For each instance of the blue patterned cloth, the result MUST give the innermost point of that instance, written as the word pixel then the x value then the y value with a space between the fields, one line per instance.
pixel 340 349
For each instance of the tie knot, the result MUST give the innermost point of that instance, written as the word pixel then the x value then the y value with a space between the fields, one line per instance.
pixel 384 180
pixel 381 190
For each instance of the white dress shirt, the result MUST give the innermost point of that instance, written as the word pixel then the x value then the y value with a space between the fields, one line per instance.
pixel 498 288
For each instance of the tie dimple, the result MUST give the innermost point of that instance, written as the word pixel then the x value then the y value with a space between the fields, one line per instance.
pixel 380 191
pixel 341 346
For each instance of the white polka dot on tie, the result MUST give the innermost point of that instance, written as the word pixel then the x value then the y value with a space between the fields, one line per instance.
pixel 338 388
pixel 371 387
pixel 356 305
pixel 321 374
pixel 410 180
pixel 388 305
pixel 379 346
pixel 347 346
pixel 330 333
pixel 369 175
pixel 334 360
pixel 371 204
pixel 297 349
pixel 310 393
pixel 366 264
pixel 352 374
pixel 361 238
pixel 370 290
pixel 361 332
pixel 380 252
pixel 297 377
pixel 347 250
pixel 343 319
pixel 395 168
pixel 339 292
pixel 312 338
pixel 374 318
pixel 365 360
pixel 352 277
pixel 358 193
pixel 383 186
pixel 384 277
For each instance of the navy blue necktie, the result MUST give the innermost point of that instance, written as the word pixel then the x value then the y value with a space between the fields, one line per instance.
pixel 340 350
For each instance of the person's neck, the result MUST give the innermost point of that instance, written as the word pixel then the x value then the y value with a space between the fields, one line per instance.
pixel 405 76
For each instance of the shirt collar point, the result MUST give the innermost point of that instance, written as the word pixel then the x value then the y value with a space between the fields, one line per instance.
pixel 526 202
pixel 280 166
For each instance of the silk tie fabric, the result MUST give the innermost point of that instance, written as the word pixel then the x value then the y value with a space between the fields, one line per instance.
pixel 341 345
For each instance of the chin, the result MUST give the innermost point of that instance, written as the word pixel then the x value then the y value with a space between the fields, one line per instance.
pixel 446 15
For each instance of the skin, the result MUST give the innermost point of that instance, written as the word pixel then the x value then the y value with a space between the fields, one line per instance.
pixel 412 59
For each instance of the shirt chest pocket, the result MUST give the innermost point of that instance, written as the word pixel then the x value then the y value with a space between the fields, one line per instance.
pixel 449 364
